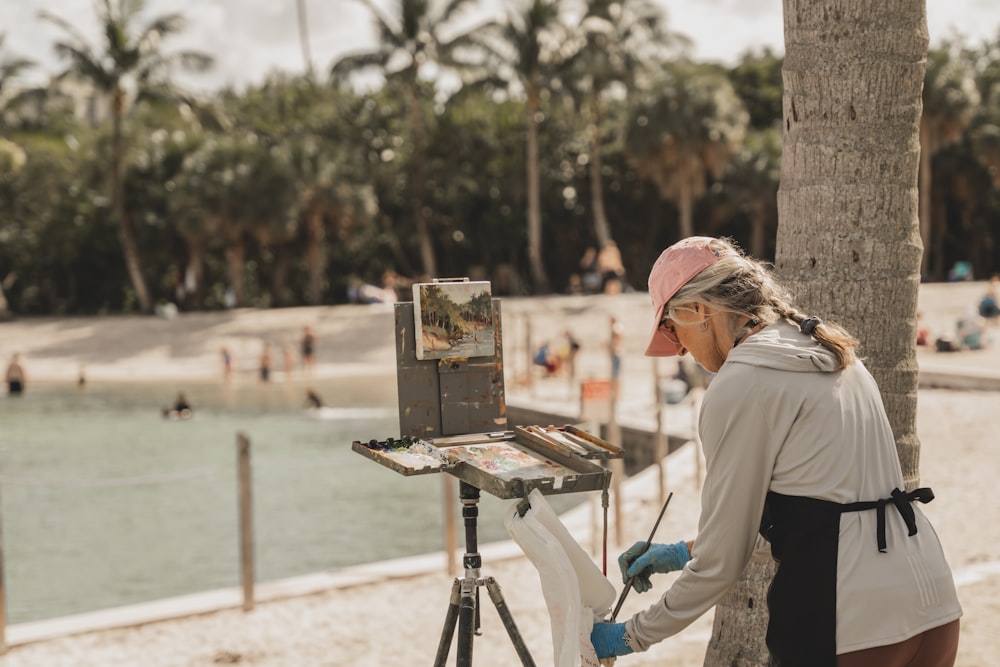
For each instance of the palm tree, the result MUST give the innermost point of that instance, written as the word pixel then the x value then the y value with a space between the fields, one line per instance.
pixel 300 10
pixel 129 63
pixel 527 46
pixel 417 35
pixel 750 187
pixel 685 131
pixel 618 40
pixel 848 236
pixel 11 67
pixel 950 99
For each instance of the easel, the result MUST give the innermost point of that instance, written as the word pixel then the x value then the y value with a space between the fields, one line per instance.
pixel 423 413
pixel 463 606
pixel 457 404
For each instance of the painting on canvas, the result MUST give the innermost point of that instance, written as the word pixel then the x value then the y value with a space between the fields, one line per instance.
pixel 453 320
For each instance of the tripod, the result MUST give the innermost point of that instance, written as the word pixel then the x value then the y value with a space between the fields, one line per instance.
pixel 463 606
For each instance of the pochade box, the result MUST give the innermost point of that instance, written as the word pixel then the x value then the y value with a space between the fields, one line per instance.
pixel 452 409
pixel 508 464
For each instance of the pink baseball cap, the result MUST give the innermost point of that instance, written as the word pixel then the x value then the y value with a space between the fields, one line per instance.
pixel 675 266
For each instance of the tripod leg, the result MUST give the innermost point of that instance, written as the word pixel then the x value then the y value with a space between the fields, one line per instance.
pixel 449 626
pixel 466 622
pixel 508 622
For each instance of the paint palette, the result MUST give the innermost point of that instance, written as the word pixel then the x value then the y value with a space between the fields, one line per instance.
pixel 507 464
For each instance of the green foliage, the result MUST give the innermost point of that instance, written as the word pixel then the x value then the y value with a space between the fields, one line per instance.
pixel 757 81
pixel 291 189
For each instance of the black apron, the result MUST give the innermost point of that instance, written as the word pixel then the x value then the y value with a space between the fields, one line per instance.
pixel 802 599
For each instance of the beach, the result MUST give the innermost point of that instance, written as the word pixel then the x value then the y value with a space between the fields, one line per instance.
pixel 393 614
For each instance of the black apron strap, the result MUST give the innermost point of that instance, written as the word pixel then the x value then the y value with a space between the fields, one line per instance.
pixel 902 501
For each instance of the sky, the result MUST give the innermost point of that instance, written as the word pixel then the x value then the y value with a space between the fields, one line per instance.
pixel 250 38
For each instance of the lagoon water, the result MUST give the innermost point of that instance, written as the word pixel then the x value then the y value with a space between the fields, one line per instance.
pixel 104 502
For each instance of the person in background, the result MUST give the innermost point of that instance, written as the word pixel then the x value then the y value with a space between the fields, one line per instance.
pixel 572 351
pixel 923 332
pixel 969 330
pixel 611 268
pixel 799 449
pixel 227 364
pixel 313 399
pixel 265 363
pixel 15 376
pixel 989 307
pixel 617 337
pixel 590 274
pixel 307 348
pixel 181 404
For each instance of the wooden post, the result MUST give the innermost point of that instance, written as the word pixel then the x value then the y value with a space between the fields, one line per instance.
pixel 614 433
pixel 661 440
pixel 529 355
pixel 3 601
pixel 246 520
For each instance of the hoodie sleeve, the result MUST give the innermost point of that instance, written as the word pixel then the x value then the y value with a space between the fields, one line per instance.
pixel 740 446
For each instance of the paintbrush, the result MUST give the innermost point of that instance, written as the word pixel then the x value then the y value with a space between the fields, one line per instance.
pixel 645 548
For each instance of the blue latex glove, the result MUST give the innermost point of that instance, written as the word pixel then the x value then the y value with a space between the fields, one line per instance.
pixel 658 558
pixel 609 639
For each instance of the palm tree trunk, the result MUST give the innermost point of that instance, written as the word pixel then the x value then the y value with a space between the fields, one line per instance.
pixel 279 276
pixel 535 264
pixel 300 7
pixel 602 230
pixel 196 269
pixel 758 230
pixel 850 247
pixel 685 205
pixel 126 232
pixel 234 269
pixel 315 256
pixel 427 256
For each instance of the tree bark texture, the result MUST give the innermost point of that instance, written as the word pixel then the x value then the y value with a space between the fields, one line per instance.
pixel 315 256
pixel 126 232
pixel 602 230
pixel 535 259
pixel 849 243
pixel 428 258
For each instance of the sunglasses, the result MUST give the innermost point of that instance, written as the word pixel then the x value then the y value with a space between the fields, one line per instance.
pixel 667 330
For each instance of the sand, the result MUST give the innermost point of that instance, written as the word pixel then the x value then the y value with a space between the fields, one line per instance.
pixel 397 620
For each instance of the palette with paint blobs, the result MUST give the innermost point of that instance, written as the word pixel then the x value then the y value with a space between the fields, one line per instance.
pixel 506 464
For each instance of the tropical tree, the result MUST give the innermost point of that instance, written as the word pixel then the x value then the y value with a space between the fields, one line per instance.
pixel 685 131
pixel 750 187
pixel 418 36
pixel 11 67
pixel 617 40
pixel 983 137
pixel 232 189
pixel 851 246
pixel 527 47
pixel 300 12
pixel 756 78
pixel 950 99
pixel 128 66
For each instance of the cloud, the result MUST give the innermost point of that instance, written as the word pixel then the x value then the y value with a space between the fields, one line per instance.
pixel 250 38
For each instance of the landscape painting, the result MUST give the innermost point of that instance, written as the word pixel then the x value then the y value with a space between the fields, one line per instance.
pixel 453 320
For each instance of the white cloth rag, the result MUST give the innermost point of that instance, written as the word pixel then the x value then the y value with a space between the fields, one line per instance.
pixel 576 592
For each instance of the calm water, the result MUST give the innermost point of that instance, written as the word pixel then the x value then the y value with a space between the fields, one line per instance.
pixel 106 503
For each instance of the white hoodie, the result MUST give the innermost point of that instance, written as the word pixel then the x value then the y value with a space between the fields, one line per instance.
pixel 780 417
